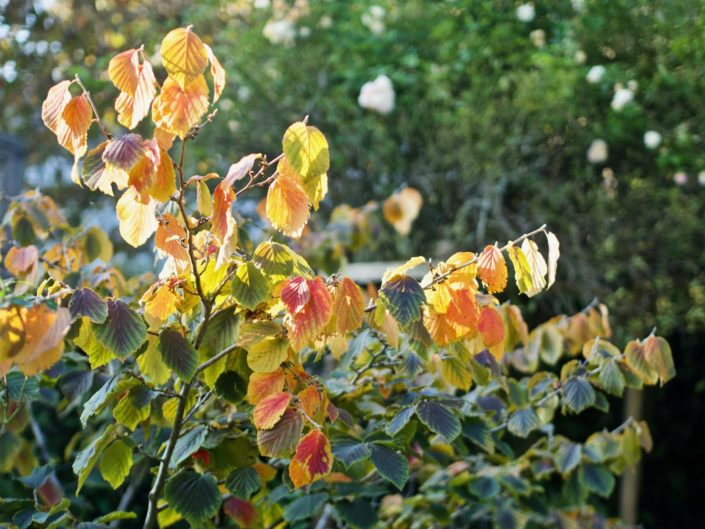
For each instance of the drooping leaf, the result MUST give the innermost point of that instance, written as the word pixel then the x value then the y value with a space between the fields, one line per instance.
pixel 523 421
pixel 281 440
pixel 194 496
pixel 218 73
pixel 553 254
pixel 403 297
pixel 313 459
pixel 306 150
pixel 53 106
pixel 611 378
pixel 249 286
pixel 98 399
pixel 123 332
pixel 438 419
pixel 348 306
pixel 136 214
pixel 184 55
pixel 263 384
pixel 88 457
pixel 270 409
pixel 85 302
pixel 305 325
pixel 491 327
pixel 75 121
pixel 189 443
pixel 244 482
pixel 537 265
pixel 177 109
pixel 522 270
pixel 136 83
pixel 391 466
pixel 492 269
pixel 287 206
pixel 178 353
pixel 349 450
pixel 116 462
pixel 578 393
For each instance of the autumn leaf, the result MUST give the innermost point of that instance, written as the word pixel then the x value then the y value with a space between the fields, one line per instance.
pixel 348 306
pixel 136 215
pixel 553 254
pixel 170 238
pixel 53 106
pixel 137 85
pixel 270 409
pixel 306 150
pixel 296 294
pixel 304 325
pixel 218 73
pixel 491 327
pixel 184 56
pixel 403 297
pixel 262 385
pixel 537 265
pixel 313 459
pixel 22 260
pixel 492 269
pixel 72 130
pixel 522 271
pixel 177 109
pixel 287 206
pixel 280 440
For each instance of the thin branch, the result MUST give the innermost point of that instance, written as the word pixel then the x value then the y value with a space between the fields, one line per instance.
pixel 438 279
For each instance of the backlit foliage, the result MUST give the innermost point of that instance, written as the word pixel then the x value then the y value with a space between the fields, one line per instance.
pixel 255 390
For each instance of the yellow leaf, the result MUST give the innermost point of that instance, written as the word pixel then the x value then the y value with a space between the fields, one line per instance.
pixel 151 364
pixel 267 355
pixel 218 73
pixel 159 304
pixel 137 85
pixel 522 271
pixel 177 109
pixel 72 130
pixel 537 264
pixel 165 179
pixel 553 254
pixel 53 106
pixel 492 269
pixel 306 150
pixel 203 199
pixel 287 206
pixel 184 56
pixel 402 208
pixel 136 216
pixel 98 354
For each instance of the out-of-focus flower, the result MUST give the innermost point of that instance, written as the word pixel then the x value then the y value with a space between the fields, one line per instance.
pixel 526 12
pixel 701 178
pixel 377 95
pixel 633 85
pixel 373 19
pixel 538 38
pixel 580 57
pixel 280 32
pixel 680 178
pixel 652 139
pixel 598 151
pixel 262 4
pixel 595 74
pixel 325 22
pixel 622 97
pixel 305 31
pixel 402 208
pixel 578 5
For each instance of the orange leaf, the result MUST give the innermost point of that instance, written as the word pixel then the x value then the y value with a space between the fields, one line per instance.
pixel 313 459
pixel 184 56
pixel 159 303
pixel 53 106
pixel 270 409
pixel 311 400
pixel 348 306
pixel 218 73
pixel 287 206
pixel 75 121
pixel 491 327
pixel 143 174
pixel 262 385
pixel 21 261
pixel 177 109
pixel 402 208
pixel 305 325
pixel 169 237
pixel 242 511
pixel 440 327
pixel 165 180
pixel 463 308
pixel 492 269
pixel 137 85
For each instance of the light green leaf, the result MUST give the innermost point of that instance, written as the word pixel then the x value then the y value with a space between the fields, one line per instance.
pixel 249 286
pixel 88 457
pixel 116 462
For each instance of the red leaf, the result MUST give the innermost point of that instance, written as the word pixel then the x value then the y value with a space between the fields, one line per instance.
pixel 492 269
pixel 306 324
pixel 296 294
pixel 313 459
pixel 268 412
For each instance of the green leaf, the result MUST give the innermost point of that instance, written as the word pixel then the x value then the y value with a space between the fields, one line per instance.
pixel 523 421
pixel 305 506
pixel 123 332
pixel 96 245
pixel 98 354
pixel 438 419
pixel 244 482
pixel 403 296
pixel 38 477
pixel 85 302
pixel 578 394
pixel 349 450
pixel 98 399
pixel 194 496
pixel 88 457
pixel 187 444
pixel 231 386
pixel 598 479
pixel 178 353
pixel 249 286
pixel 390 465
pixel 508 518
pixel 611 378
pixel 279 262
pixel 21 388
pixel 306 150
pixel 116 462
pixel 399 421
pixel 483 487
pixel 567 457
pixel 133 408
pixel 116 515
pixel 151 364
pixel 360 513
pixel 479 433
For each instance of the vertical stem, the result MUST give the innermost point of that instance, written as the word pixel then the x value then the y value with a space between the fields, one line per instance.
pixel 629 484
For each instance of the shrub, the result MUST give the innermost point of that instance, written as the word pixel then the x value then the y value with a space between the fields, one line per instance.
pixel 246 389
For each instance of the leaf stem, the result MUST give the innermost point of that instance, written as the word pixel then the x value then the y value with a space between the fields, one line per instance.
pixel 105 132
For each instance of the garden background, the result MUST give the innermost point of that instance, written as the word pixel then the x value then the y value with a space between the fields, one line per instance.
pixel 586 115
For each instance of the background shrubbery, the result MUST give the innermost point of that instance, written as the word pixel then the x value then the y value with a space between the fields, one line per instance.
pixel 493 122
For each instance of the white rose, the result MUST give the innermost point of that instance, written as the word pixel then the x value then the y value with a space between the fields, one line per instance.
pixel 377 95
pixel 280 32
pixel 680 178
pixel 595 74
pixel 526 12
pixel 652 139
pixel 701 178
pixel 598 152
pixel 622 97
